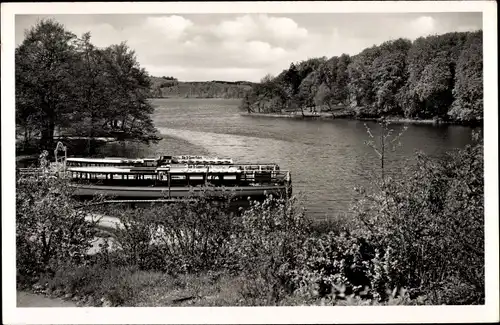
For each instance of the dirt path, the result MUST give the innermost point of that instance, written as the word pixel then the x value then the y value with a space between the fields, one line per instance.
pixel 25 299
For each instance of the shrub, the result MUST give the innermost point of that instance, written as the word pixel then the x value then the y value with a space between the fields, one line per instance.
pixel 427 229
pixel 267 246
pixel 181 237
pixel 49 229
pixel 333 265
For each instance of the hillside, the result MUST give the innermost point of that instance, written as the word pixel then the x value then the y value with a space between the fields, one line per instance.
pixel 166 87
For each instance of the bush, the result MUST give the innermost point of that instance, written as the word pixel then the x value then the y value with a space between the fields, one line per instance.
pixel 333 265
pixel 428 229
pixel 268 244
pixel 418 240
pixel 181 237
pixel 49 229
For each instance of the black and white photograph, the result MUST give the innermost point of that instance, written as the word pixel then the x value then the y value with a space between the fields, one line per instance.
pixel 336 155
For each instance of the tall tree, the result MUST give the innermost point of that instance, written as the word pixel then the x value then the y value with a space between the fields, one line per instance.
pixel 307 90
pixel 340 87
pixel 389 75
pixel 92 91
pixel 468 90
pixel 434 89
pixel 361 79
pixel 291 80
pixel 428 96
pixel 333 73
pixel 44 75
pixel 129 113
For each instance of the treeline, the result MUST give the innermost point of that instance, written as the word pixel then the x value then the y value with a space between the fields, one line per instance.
pixel 432 77
pixel 67 86
pixel 161 87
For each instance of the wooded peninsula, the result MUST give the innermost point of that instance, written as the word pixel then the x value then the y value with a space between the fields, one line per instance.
pixel 436 77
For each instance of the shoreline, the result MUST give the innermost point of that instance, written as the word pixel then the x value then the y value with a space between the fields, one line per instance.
pixel 329 116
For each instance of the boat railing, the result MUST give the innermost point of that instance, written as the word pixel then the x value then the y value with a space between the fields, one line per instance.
pixel 253 177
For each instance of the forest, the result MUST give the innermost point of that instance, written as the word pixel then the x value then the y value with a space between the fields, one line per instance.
pixel 171 87
pixel 434 77
pixel 67 86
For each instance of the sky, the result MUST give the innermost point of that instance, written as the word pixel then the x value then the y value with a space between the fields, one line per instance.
pixel 201 47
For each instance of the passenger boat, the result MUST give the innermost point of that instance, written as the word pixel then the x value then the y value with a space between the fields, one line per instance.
pixel 170 177
pixel 151 162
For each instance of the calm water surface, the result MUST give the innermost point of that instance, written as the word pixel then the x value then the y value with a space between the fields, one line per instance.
pixel 327 158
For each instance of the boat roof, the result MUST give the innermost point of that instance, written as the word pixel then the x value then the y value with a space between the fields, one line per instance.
pixel 111 169
pixel 98 160
pixel 118 170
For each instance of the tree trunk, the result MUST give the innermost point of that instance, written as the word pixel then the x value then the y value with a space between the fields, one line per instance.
pixel 47 139
pixel 25 142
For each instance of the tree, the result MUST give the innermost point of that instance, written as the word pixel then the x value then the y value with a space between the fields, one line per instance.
pixel 307 90
pixel 44 75
pixel 272 94
pixel 428 96
pixel 361 79
pixel 434 88
pixel 340 87
pixel 67 83
pixel 468 90
pixel 334 74
pixel 92 90
pixel 389 75
pixel 323 96
pixel 291 81
pixel 129 114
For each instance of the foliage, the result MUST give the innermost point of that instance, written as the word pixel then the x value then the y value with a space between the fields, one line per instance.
pixel 187 236
pixel 468 90
pixel 438 77
pixel 66 84
pixel 428 229
pixel 43 79
pixel 50 231
pixel 267 245
pixel 96 282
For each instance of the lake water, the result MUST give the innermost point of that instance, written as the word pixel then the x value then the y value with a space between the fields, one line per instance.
pixel 327 159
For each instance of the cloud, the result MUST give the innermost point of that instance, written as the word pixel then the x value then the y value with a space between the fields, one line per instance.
pixel 284 28
pixel 253 52
pixel 172 27
pixel 277 30
pixel 248 46
pixel 422 26
pixel 242 27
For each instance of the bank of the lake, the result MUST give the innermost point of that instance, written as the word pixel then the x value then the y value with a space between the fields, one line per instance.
pixel 347 115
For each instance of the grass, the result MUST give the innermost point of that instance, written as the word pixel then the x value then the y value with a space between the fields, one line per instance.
pixel 95 286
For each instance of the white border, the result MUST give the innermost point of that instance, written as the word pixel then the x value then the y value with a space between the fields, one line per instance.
pixel 246 315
